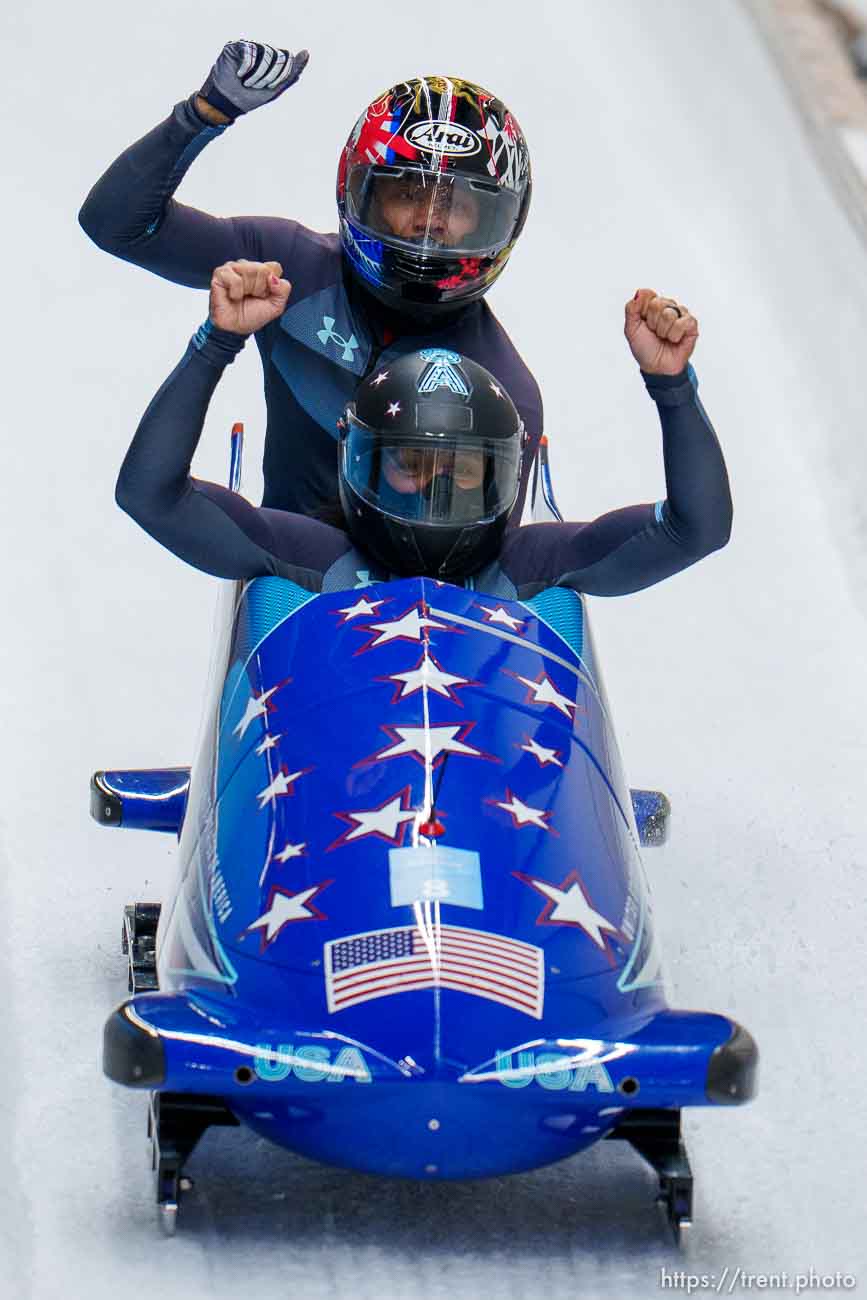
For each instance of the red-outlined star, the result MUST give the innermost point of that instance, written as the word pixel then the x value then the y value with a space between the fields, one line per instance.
pixel 568 904
pixel 541 690
pixel 522 814
pixel 290 850
pixel 363 608
pixel 413 624
pixel 502 616
pixel 283 908
pixel 257 707
pixel 387 821
pixel 542 753
pixel 282 783
pixel 423 743
pixel 428 674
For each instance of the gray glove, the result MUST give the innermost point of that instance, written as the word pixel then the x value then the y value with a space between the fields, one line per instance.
pixel 248 74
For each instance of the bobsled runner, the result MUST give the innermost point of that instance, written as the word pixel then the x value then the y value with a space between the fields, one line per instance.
pixel 411 933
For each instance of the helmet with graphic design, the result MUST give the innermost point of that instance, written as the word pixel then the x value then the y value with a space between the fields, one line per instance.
pixel 429 464
pixel 433 189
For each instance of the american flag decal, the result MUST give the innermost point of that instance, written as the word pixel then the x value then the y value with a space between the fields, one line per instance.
pixel 403 958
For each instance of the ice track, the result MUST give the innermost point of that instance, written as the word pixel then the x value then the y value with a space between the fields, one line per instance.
pixel 666 153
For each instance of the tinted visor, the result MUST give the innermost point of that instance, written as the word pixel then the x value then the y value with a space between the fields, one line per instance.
pixel 432 480
pixel 416 209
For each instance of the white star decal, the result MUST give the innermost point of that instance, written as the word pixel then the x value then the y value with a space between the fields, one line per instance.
pixel 569 907
pixel 290 851
pixel 282 784
pixel 522 814
pixel 388 821
pixel 361 606
pixel 498 392
pixel 427 744
pixel 502 616
pixel 409 627
pixel 257 706
pixel 393 409
pixel 545 692
pixel 268 743
pixel 542 754
pixel 430 675
pixel 283 908
pixel 383 374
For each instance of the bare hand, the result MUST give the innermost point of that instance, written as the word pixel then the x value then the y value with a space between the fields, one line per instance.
pixel 246 296
pixel 660 332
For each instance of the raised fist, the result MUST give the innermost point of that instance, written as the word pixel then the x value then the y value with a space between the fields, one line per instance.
pixel 246 296
pixel 660 332
pixel 248 74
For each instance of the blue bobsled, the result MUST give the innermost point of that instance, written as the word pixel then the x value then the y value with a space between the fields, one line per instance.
pixel 412 934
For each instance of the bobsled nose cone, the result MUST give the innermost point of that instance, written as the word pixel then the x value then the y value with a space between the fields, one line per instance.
pixel 732 1072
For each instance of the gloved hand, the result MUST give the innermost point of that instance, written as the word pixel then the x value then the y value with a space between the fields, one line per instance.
pixel 248 74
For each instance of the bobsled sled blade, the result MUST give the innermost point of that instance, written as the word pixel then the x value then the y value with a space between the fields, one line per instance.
pixel 655 1134
pixel 652 810
pixel 149 799
pixel 169 1218
pixel 176 1124
pixel 732 1072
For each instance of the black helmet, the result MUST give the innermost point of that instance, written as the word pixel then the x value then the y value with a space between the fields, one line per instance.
pixel 429 464
pixel 432 190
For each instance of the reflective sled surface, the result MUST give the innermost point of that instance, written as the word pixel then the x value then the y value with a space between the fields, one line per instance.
pixel 412 933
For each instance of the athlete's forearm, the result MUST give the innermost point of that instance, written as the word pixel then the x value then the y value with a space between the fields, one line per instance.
pixel 131 212
pixel 202 523
pixel 629 549
pixel 698 506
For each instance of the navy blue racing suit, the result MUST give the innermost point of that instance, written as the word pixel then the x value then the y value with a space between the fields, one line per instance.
pixel 332 333
pixel 220 532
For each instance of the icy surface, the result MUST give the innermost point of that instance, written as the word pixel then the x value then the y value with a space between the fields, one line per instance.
pixel 667 154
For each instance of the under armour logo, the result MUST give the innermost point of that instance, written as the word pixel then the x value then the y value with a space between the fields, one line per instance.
pixel 329 335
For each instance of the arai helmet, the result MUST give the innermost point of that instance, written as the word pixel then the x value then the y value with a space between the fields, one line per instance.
pixel 430 464
pixel 433 189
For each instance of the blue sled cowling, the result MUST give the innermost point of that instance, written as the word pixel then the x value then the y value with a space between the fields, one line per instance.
pixel 412 933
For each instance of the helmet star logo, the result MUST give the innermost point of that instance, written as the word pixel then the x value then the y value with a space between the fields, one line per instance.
pixel 383 375
pixel 393 409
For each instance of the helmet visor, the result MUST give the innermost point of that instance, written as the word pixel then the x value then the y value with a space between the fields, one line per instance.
pixel 431 211
pixel 432 479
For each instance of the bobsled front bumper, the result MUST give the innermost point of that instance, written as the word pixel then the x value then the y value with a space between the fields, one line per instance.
pixel 524 1108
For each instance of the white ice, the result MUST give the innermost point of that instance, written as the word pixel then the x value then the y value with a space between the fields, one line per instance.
pixel 667 153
